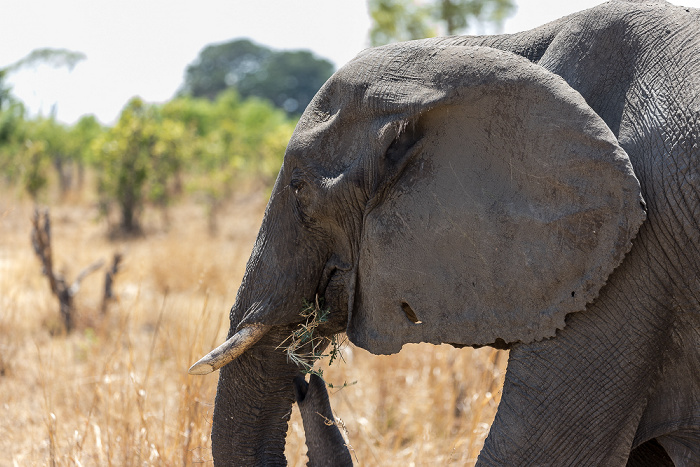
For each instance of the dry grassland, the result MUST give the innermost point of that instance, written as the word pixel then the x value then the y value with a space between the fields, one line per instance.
pixel 116 391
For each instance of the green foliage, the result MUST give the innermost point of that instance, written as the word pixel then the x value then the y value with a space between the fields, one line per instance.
pixel 237 139
pixel 153 152
pixel 11 124
pixel 54 139
pixel 195 114
pixel 12 127
pixel 220 66
pixel 289 79
pixel 28 147
pixel 401 20
pixel 80 138
pixel 31 147
pixel 52 133
pixel 35 165
pixel 137 159
pixel 456 14
pixel 5 91
pixel 121 157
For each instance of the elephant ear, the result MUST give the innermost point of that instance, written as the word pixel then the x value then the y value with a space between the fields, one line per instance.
pixel 513 205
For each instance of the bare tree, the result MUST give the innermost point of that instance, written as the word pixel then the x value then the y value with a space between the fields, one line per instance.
pixel 41 241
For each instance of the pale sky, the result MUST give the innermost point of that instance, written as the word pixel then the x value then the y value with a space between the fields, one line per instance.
pixel 143 47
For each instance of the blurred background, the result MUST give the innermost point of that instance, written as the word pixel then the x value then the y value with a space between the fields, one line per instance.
pixel 138 145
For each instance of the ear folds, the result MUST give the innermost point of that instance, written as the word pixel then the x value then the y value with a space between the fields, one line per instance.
pixel 513 213
pixel 403 149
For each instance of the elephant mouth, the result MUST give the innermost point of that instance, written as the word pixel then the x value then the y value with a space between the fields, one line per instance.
pixel 332 296
pixel 326 314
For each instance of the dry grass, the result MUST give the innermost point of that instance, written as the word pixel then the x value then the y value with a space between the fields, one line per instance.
pixel 116 391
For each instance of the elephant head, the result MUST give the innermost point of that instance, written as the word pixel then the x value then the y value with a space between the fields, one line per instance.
pixel 442 194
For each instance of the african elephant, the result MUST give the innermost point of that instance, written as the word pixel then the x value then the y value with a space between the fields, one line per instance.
pixel 538 192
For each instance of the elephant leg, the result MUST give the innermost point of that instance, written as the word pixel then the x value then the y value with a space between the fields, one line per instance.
pixel 577 399
pixel 326 446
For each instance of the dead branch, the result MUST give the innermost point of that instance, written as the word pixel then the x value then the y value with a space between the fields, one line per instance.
pixel 41 241
pixel 75 287
pixel 109 281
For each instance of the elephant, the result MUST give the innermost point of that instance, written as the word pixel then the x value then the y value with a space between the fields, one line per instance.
pixel 538 192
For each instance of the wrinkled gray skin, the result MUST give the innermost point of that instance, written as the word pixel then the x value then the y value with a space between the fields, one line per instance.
pixel 326 446
pixel 448 190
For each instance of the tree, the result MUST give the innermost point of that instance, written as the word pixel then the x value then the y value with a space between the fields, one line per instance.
pixel 289 79
pixel 34 165
pixel 12 125
pixel 139 160
pixel 5 95
pixel 53 137
pixel 400 20
pixel 60 287
pixel 21 153
pixel 156 150
pixel 80 138
pixel 52 57
pixel 122 159
pixel 236 139
pixel 221 66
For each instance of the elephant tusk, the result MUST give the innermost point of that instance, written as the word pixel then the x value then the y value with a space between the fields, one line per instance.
pixel 229 350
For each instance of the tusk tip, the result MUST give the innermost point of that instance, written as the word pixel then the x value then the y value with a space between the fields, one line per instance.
pixel 229 350
pixel 201 368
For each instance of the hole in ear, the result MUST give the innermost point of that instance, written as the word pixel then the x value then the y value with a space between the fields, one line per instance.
pixel 410 314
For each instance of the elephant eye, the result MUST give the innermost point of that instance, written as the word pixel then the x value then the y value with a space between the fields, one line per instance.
pixel 297 185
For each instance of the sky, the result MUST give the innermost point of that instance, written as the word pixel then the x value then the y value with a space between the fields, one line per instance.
pixel 142 47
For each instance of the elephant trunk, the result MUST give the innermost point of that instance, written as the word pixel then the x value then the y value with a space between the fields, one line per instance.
pixel 326 445
pixel 253 404
pixel 255 392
